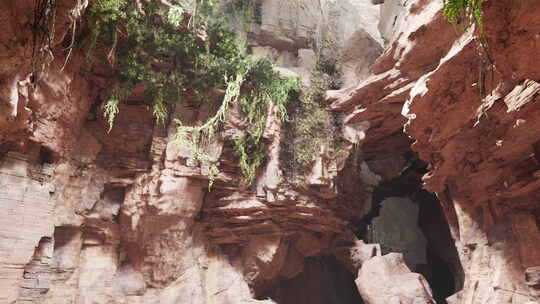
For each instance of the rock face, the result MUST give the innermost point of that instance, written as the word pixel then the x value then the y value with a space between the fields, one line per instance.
pixel 27 205
pixel 345 29
pixel 532 276
pixel 468 109
pixel 125 215
pixel 93 216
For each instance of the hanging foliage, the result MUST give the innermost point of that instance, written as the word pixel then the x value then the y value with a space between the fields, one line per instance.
pixel 463 13
pixel 172 49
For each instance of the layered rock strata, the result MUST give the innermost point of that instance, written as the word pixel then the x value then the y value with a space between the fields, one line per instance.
pixel 126 215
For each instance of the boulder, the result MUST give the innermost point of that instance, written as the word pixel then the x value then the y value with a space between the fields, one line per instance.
pixel 386 279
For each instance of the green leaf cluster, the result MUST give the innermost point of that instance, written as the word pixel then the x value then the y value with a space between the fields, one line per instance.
pixel 310 127
pixel 463 13
pixel 155 46
pixel 174 58
pixel 262 86
pixel 254 88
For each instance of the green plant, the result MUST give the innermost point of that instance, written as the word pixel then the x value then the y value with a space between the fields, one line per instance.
pixel 309 128
pixel 190 136
pixel 175 56
pixel 251 156
pixel 463 13
pixel 262 86
pixel 154 46
pixel 255 86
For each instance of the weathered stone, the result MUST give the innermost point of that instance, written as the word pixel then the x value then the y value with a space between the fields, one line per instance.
pixel 532 277
pixel 27 217
pixel 478 136
pixel 92 215
pixel 397 230
pixel 362 252
pixel 386 279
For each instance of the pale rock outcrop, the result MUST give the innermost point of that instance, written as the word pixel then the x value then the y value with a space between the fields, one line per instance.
pixel 26 220
pixel 362 252
pixel 387 280
pixel 532 276
pixel 392 15
pixel 289 32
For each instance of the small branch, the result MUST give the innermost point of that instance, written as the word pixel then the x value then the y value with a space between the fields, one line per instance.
pixel 74 25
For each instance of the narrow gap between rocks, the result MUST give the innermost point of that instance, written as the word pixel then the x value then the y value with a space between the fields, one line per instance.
pixel 46 156
pixel 408 219
pixel 536 151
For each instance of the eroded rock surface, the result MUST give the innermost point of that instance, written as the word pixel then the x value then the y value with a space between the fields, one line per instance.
pixel 92 215
pixel 469 113
pixel 126 215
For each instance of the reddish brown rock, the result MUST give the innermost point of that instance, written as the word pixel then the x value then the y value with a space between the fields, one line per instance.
pixel 478 134
pixel 126 216
pixel 26 217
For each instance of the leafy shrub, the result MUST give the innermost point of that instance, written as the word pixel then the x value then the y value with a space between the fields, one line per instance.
pixel 309 127
pixel 255 86
pixel 169 52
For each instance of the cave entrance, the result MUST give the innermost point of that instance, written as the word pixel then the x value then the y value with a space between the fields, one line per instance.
pixel 324 281
pixel 408 219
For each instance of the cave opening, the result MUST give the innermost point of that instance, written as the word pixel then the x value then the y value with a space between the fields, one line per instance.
pixel 443 270
pixel 46 156
pixel 67 243
pixel 324 280
pixel 406 218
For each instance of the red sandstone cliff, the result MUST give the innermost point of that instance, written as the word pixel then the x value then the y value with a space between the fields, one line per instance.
pixel 471 114
pixel 90 216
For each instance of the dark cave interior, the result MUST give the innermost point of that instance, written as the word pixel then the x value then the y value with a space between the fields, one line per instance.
pixel 442 267
pixel 324 281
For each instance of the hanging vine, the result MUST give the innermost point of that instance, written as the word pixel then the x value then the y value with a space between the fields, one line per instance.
pixel 42 35
pixel 177 52
pixel 464 13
